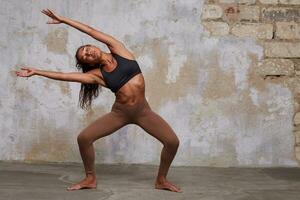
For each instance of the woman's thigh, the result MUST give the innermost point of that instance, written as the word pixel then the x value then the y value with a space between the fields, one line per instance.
pixel 103 126
pixel 156 126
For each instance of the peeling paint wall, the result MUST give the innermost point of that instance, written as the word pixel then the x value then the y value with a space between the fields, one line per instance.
pixel 207 88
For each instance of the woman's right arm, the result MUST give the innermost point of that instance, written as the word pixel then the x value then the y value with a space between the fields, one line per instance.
pixel 87 78
pixel 113 44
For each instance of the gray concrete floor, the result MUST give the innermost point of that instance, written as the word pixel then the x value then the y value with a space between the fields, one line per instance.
pixel 49 181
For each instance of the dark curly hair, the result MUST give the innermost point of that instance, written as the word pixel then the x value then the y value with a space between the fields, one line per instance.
pixel 88 92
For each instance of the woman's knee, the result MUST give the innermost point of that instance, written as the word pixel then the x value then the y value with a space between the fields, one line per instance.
pixel 83 138
pixel 172 143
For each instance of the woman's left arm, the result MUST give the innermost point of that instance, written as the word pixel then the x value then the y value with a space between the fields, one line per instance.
pixel 110 41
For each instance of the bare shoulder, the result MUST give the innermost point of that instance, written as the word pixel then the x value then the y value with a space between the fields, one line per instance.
pixel 121 50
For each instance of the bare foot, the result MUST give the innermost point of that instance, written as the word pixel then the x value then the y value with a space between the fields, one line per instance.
pixel 166 185
pixel 87 183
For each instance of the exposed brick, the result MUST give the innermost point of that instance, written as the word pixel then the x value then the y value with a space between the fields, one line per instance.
pixel 273 14
pixel 296 63
pixel 238 1
pixel 216 28
pixel 297 140
pixel 296 128
pixel 291 2
pixel 288 30
pixel 296 91
pixel 297 133
pixel 235 13
pixel 269 1
pixel 282 49
pixel 211 11
pixel 273 67
pixel 297 152
pixel 260 31
pixel 231 13
pixel 297 118
pixel 249 12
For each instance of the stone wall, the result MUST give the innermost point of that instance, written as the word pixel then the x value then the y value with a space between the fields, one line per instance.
pixel 275 24
pixel 226 83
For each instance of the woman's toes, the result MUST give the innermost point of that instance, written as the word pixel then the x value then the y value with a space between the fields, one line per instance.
pixel 74 187
pixel 168 186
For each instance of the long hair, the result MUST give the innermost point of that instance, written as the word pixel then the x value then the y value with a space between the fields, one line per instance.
pixel 88 92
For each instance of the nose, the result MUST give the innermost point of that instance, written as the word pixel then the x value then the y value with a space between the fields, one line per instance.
pixel 88 52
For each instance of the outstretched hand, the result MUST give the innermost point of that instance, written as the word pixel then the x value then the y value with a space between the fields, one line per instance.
pixel 26 72
pixel 55 18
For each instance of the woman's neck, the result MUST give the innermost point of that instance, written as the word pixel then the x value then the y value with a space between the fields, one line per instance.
pixel 107 59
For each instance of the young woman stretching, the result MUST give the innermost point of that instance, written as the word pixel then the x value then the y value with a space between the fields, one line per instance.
pixel 119 71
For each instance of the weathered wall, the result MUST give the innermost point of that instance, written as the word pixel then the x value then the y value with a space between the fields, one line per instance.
pixel 221 72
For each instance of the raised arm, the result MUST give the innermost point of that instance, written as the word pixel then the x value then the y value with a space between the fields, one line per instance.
pixel 110 41
pixel 87 78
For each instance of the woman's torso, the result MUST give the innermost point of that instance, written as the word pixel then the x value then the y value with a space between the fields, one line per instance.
pixel 133 90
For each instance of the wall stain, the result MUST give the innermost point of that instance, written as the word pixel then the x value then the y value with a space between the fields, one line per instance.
pixel 57 40
pixel 50 148
pixel 63 86
pixel 93 114
pixel 161 92
pixel 219 85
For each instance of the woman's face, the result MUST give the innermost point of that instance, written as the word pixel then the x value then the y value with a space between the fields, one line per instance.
pixel 89 54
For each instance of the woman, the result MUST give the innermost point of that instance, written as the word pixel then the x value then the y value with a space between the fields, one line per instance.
pixel 120 72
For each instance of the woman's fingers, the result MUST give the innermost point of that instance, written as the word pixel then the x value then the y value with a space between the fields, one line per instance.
pixel 20 74
pixel 51 14
pixel 50 11
pixel 24 74
pixel 46 12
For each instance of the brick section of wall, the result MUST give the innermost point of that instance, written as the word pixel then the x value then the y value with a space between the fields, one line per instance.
pixel 276 24
pixel 238 1
pixel 236 12
pixel 297 138
pixel 260 31
pixel 212 12
pixel 288 30
pixel 216 28
pixel 282 49
pixel 297 119
pixel 297 151
pixel 276 14
pixel 276 67
pixel 269 1
pixel 249 12
pixel 290 2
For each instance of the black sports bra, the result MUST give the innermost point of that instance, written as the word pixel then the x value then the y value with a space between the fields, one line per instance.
pixel 121 74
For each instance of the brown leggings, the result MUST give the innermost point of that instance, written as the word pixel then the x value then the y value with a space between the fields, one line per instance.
pixel 121 115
